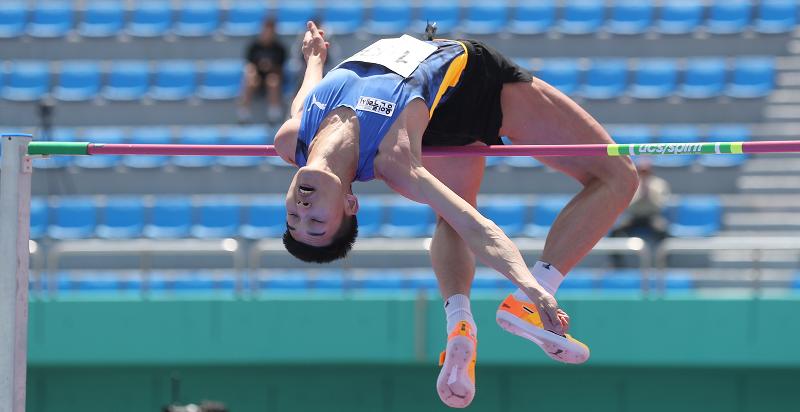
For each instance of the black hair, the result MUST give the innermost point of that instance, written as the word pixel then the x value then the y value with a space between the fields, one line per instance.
pixel 339 247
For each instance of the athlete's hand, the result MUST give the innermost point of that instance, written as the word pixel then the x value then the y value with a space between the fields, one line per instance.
pixel 314 44
pixel 553 318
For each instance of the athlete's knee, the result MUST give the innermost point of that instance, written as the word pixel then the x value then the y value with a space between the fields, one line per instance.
pixel 624 179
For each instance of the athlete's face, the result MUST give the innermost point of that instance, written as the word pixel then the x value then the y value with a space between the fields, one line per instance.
pixel 316 204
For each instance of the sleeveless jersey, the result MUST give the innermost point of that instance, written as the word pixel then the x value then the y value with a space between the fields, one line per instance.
pixel 377 95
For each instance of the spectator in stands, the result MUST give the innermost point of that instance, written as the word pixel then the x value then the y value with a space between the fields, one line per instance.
pixel 645 215
pixel 265 57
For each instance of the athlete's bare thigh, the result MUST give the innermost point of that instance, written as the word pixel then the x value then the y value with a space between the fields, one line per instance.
pixel 462 175
pixel 537 113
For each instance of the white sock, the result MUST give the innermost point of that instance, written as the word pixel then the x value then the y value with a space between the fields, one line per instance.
pixel 547 275
pixel 457 309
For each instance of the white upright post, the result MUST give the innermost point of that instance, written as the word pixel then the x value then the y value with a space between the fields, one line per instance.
pixel 15 194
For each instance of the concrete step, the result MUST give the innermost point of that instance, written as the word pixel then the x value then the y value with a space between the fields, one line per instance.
pixel 761 203
pixel 782 112
pixel 785 96
pixel 769 184
pixel 788 79
pixel 771 165
pixel 777 221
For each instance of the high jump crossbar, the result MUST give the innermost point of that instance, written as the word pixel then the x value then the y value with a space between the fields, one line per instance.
pixel 86 148
pixel 15 191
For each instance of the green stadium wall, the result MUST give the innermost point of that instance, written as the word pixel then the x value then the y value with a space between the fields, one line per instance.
pixel 371 352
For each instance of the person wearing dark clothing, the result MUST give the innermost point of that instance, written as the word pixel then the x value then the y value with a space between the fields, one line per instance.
pixel 265 57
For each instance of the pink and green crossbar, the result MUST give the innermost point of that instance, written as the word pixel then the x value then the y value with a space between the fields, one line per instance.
pixel 86 148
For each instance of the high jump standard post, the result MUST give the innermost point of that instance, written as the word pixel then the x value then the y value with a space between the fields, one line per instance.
pixel 15 195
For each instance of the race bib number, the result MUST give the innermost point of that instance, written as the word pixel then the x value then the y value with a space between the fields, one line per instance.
pixel 373 105
pixel 401 55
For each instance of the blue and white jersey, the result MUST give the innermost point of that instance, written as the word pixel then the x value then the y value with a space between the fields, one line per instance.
pixel 377 95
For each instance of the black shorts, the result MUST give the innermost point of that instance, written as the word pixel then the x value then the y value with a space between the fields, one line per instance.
pixel 473 112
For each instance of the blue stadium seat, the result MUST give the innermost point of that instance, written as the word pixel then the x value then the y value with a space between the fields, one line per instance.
pixel 51 19
pixel 729 16
pixel 127 81
pixel 72 218
pixel 676 134
pixel 148 135
pixel 532 17
pixel 605 79
pixel 292 16
pixel 97 282
pixel 422 279
pixel 545 211
pixel 343 18
pixel 581 16
pixel 703 78
pixel 680 16
pixel 525 162
pixel 654 79
pixel 510 215
pixel 696 216
pixel 200 281
pixel 328 280
pixel 174 80
pixel 389 17
pixel 246 135
pixel 197 18
pixel 625 280
pixel 729 133
pixel 78 81
pixel 39 218
pixel 13 16
pixel 370 217
pixel 630 17
pixel 485 17
pixel 265 217
pixel 753 77
pixel 563 74
pixel 222 80
pixel 27 81
pixel 446 14
pixel 150 19
pixel 285 280
pixel 578 281
pixel 408 219
pixel 170 217
pixel 122 218
pixel 673 281
pixel 391 280
pixel 244 18
pixel 774 16
pixel 218 218
pixel 796 282
pixel 102 19
pixel 59 134
pixel 199 135
pixel 101 135
pixel 631 134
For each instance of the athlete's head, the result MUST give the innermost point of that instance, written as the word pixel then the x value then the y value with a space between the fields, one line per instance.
pixel 321 223
pixel 267 34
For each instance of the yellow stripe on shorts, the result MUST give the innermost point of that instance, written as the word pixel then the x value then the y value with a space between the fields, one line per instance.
pixel 451 77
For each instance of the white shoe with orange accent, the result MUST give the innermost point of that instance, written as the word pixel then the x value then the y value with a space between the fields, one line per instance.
pixel 522 319
pixel 456 382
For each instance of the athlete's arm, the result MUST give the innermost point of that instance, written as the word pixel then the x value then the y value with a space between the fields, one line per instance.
pixel 315 52
pixel 399 165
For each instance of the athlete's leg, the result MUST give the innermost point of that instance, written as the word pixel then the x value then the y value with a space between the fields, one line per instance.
pixel 451 259
pixel 537 113
pixel 454 266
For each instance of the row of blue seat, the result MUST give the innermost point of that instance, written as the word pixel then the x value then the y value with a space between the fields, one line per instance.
pixel 334 280
pixel 265 217
pixel 748 77
pixel 243 18
pixel 125 80
pixel 259 135
pixel 657 78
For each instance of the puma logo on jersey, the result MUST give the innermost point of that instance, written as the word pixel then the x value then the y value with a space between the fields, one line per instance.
pixel 315 102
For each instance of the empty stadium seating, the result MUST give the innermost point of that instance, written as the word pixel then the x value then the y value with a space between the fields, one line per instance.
pixel 630 17
pixel 102 19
